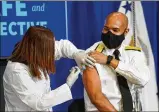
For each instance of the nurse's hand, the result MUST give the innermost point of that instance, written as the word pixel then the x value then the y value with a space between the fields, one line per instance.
pixel 73 76
pixel 82 59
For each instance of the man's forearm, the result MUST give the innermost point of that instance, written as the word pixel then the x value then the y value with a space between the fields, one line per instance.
pixel 135 73
pixel 102 103
pixel 114 63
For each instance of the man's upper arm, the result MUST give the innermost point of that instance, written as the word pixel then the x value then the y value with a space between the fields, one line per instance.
pixel 91 81
pixel 92 85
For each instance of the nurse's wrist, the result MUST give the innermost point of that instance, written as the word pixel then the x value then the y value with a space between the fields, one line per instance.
pixel 69 84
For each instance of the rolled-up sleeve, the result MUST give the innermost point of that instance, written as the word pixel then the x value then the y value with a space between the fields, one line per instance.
pixel 136 70
pixel 26 90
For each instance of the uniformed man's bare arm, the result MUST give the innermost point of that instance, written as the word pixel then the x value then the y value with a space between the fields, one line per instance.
pixel 92 85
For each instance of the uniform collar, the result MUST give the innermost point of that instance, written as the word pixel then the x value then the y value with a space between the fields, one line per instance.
pixel 110 51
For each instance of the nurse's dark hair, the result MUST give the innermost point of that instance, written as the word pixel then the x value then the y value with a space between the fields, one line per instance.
pixel 36 49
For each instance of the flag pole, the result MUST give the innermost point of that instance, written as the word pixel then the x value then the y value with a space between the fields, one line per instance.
pixel 134 23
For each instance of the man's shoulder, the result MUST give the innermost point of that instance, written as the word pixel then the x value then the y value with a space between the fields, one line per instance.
pixel 94 46
pixel 97 43
pixel 133 51
pixel 132 48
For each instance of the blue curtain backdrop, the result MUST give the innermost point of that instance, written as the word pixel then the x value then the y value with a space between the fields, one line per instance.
pixel 79 22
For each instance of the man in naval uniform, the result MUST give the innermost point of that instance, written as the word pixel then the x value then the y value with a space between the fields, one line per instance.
pixel 109 86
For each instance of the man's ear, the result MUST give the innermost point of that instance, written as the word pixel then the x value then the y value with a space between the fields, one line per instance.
pixel 126 31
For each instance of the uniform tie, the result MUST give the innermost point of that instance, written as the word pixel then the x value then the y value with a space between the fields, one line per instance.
pixel 124 89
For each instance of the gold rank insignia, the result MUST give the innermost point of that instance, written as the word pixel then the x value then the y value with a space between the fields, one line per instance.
pixel 133 48
pixel 100 47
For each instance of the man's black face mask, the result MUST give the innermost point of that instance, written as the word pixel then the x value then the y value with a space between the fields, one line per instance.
pixel 111 40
